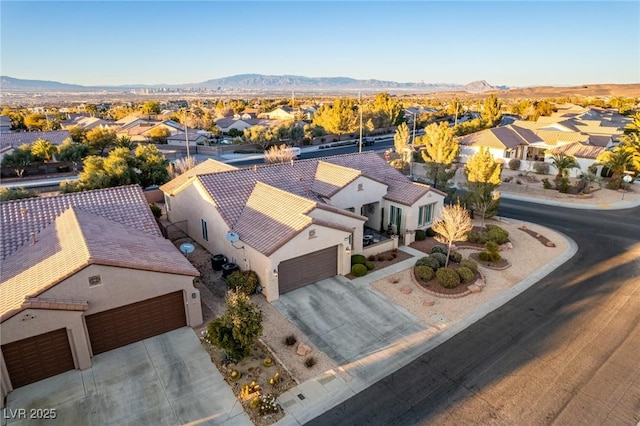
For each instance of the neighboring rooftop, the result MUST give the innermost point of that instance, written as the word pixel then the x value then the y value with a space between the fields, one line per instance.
pixel 15 139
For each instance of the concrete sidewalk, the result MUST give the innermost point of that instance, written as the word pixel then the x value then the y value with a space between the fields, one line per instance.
pixel 313 397
pixel 617 205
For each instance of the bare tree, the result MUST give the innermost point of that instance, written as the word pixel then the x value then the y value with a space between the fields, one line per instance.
pixel 278 154
pixel 453 226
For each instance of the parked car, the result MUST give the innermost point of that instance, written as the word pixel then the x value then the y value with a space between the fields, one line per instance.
pixel 368 141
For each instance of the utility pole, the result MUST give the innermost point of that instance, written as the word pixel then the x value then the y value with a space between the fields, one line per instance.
pixel 360 105
pixel 186 131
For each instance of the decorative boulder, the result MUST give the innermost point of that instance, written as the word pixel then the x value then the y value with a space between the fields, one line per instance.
pixel 474 288
pixel 479 283
pixel 428 302
pixel 550 244
pixel 405 289
pixel 303 350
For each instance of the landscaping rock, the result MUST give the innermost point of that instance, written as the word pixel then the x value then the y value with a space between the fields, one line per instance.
pixel 550 244
pixel 428 302
pixel 479 282
pixel 405 289
pixel 303 350
pixel 474 288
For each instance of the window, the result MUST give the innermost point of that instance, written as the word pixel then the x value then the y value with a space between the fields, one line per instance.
pixel 205 233
pixel 425 214
pixel 395 217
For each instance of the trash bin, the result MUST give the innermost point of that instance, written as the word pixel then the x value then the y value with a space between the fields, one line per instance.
pixel 217 261
pixel 228 268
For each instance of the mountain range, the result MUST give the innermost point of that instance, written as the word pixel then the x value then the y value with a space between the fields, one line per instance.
pixel 258 82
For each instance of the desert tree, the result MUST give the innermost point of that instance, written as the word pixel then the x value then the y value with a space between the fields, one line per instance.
pixel 100 139
pixel 19 159
pixel 338 118
pixel 441 148
pixel 563 163
pixel 401 141
pixel 159 135
pixel 491 110
pixel 43 149
pixel 619 160
pixel 150 108
pixel 70 151
pixel 452 226
pixel 483 176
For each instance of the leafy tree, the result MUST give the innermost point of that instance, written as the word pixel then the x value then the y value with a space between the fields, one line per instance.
pixel 339 118
pixel 453 226
pixel 17 119
pixel 152 165
pixel 401 141
pixel 159 134
pixel 43 149
pixel 563 163
pixel 386 111
pixel 19 159
pixel 100 139
pixel 313 131
pixel 150 108
pixel 36 121
pixel 239 327
pixel 441 147
pixel 78 134
pixel 124 141
pixel 70 151
pixel 483 176
pixel 491 111
pixel 8 194
pixel 631 143
pixel 618 161
pixel 634 126
pixel 92 109
pixel 260 135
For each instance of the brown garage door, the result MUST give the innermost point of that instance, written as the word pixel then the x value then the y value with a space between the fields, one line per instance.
pixel 38 357
pixel 300 271
pixel 131 323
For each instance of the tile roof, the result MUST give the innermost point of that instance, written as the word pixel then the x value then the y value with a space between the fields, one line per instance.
pixel 552 137
pixel 15 139
pixel 580 150
pixel 331 178
pixel 123 204
pixel 500 137
pixel 599 140
pixel 206 167
pixel 76 239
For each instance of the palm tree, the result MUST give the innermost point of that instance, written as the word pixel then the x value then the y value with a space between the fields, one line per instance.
pixel 563 163
pixel 631 143
pixel 618 161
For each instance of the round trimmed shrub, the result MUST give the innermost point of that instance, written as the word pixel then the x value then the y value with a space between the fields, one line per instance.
pixel 514 164
pixel 370 265
pixel 441 258
pixel 466 274
pixel 448 278
pixel 421 235
pixel 497 234
pixel 359 270
pixel 468 263
pixel 439 249
pixel 456 257
pixel 430 233
pixel 358 259
pixel 429 261
pixel 424 273
pixel 491 246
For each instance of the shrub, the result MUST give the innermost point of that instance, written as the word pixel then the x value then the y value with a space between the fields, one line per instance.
pixel 359 270
pixel 371 257
pixel 370 265
pixel 563 185
pixel 424 273
pixel 484 256
pixel 429 261
pixel 442 259
pixel 380 257
pixel 358 259
pixel 390 257
pixel 541 168
pixel 267 362
pixel 157 211
pixel 430 233
pixel 477 237
pixel 454 256
pixel 491 254
pixel 497 234
pixel 466 274
pixel 243 281
pixel 310 362
pixel 439 249
pixel 546 184
pixel 290 340
pixel 468 263
pixel 448 278
pixel 514 164
pixel 491 246
pixel 421 235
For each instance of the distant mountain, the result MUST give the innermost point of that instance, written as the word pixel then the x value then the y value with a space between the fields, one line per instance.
pixel 259 82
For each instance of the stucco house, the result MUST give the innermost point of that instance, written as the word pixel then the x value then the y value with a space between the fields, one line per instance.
pixel 82 274
pixel 299 222
pixel 227 124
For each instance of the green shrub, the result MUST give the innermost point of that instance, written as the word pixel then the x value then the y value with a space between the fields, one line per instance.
pixel 157 211
pixel 491 254
pixel 424 273
pixel 359 270
pixel 477 237
pixel 491 246
pixel 439 249
pixel 429 261
pixel 243 281
pixel 442 259
pixel 546 184
pixel 497 234
pixel 456 257
pixel 358 259
pixel 448 278
pixel 468 263
pixel 514 164
pixel 421 235
pixel 370 265
pixel 541 168
pixel 563 185
pixel 466 274
pixel 430 233
pixel 484 256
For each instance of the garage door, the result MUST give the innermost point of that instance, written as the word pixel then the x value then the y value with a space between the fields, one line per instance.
pixel 131 323
pixel 38 357
pixel 300 271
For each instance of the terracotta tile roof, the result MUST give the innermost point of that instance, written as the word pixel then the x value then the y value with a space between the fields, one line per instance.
pixel 552 137
pixel 599 140
pixel 331 178
pixel 206 167
pixel 124 204
pixel 500 137
pixel 580 150
pixel 272 216
pixel 75 240
pixel 55 304
pixel 15 139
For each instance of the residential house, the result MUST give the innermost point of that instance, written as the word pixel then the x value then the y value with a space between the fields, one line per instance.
pixel 88 123
pixel 299 222
pixel 227 124
pixel 180 139
pixel 504 143
pixel 281 113
pixel 84 273
pixel 5 124
pixel 15 139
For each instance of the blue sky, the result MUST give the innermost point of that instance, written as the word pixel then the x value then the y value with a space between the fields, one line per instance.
pixel 511 43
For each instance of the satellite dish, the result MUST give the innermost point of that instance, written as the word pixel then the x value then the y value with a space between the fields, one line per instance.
pixel 232 237
pixel 187 248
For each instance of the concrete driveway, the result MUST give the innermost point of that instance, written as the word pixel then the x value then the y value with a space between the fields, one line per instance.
pixel 347 321
pixel 165 380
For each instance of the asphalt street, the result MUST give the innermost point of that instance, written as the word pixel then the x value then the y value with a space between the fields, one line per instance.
pixel 566 351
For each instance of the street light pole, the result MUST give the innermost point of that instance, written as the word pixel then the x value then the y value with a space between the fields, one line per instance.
pixel 360 105
pixel 186 132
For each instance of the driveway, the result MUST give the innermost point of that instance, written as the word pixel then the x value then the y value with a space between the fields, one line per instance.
pixel 347 321
pixel 165 380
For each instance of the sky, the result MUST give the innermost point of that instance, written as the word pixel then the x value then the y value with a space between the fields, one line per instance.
pixel 512 43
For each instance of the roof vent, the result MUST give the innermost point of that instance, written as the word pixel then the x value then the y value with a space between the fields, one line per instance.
pixel 255 167
pixel 33 238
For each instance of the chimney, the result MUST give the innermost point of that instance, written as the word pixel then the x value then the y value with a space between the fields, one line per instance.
pixel 33 238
